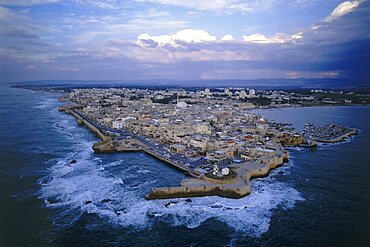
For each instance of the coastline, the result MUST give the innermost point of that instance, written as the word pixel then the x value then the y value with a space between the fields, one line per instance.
pixel 199 185
pixel 192 187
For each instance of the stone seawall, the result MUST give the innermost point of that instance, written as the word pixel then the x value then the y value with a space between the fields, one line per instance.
pixel 95 130
pixel 181 192
pixel 241 187
pixel 107 145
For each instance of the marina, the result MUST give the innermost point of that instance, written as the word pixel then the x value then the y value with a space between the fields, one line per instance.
pixel 329 133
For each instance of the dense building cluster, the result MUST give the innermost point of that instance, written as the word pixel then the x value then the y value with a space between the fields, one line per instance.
pixel 204 132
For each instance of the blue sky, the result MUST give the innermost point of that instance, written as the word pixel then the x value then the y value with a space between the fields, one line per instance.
pixel 173 39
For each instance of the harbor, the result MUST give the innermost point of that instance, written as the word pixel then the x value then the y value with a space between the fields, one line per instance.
pixel 328 133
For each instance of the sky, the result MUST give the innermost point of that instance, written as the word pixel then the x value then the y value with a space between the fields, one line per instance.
pixel 184 40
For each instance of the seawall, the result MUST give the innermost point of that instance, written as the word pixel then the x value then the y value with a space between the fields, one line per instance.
pixel 80 120
pixel 240 188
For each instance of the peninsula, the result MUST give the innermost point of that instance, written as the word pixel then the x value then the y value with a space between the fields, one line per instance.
pixel 216 141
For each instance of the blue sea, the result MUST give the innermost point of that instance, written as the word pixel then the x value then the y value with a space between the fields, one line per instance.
pixel 320 198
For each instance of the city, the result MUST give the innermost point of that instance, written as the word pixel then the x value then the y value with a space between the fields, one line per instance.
pixel 184 123
pixel 212 137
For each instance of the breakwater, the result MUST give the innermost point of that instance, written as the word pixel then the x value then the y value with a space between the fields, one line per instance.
pixel 237 188
pixel 339 138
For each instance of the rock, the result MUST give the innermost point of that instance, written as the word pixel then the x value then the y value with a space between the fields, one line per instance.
pixel 73 162
pixel 106 200
pixel 188 200
pixel 281 172
pixel 170 203
pixel 88 202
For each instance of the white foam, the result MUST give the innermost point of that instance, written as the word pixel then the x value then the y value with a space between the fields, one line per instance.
pixel 83 186
pixel 45 102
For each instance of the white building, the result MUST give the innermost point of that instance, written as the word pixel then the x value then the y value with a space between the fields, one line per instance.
pixel 242 94
pixel 252 92
pixel 207 92
pixel 118 124
pixel 225 171
pixel 227 92
pixel 181 104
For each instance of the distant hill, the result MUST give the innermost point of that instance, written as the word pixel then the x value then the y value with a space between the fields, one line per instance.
pixel 299 83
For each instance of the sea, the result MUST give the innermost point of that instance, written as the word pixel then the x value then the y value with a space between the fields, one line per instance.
pixel 55 191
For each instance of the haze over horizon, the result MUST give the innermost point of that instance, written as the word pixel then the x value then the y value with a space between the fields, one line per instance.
pixel 184 40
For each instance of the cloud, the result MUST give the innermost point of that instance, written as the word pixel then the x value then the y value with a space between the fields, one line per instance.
pixel 155 42
pixel 261 39
pixel 185 35
pixel 227 37
pixel 278 38
pixel 342 9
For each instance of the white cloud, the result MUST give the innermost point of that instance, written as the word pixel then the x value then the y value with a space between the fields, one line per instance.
pixel 298 35
pixel 258 38
pixel 227 37
pixel 277 39
pixel 342 9
pixel 186 35
pixel 262 39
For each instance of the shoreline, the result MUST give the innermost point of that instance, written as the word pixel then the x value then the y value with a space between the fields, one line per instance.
pixel 196 186
pixel 199 185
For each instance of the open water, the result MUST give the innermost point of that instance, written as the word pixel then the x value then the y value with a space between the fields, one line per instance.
pixel 320 198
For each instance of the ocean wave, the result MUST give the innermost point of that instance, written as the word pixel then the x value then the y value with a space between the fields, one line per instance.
pixel 46 102
pixel 84 187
